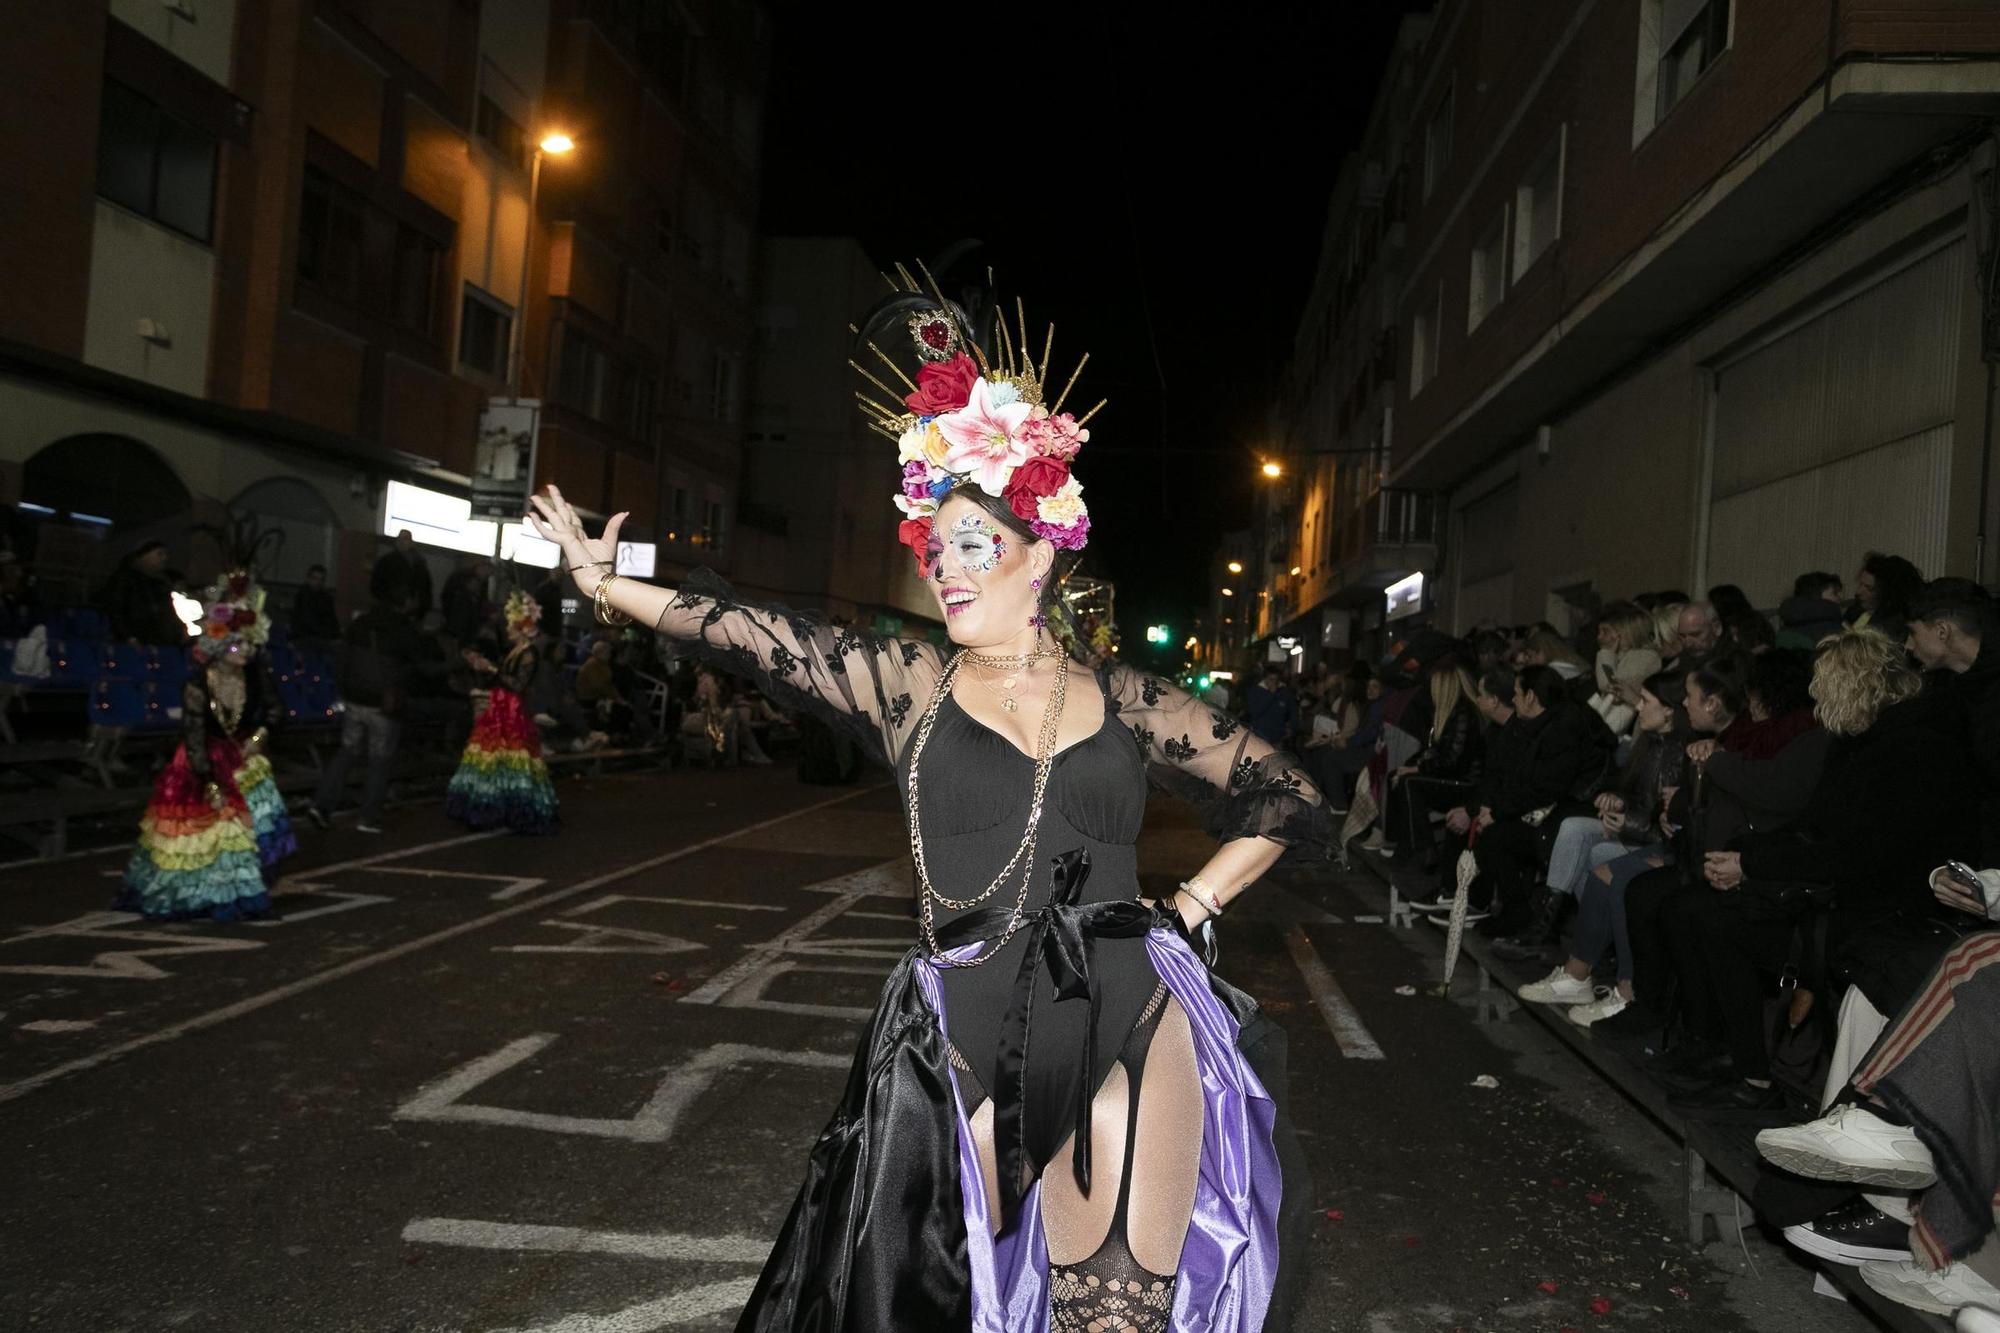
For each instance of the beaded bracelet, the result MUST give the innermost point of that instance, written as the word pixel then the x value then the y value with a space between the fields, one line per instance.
pixel 1202 894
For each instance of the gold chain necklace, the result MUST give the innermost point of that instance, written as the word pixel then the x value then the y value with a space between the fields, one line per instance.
pixel 1044 760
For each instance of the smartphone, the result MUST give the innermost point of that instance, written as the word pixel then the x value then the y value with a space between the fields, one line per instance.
pixel 1966 876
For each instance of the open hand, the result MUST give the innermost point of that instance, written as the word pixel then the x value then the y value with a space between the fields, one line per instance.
pixel 587 559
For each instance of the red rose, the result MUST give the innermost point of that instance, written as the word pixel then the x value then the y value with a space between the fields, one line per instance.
pixel 943 386
pixel 238 584
pixel 243 619
pixel 1032 480
pixel 915 533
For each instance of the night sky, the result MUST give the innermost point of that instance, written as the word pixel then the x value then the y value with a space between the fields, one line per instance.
pixel 1157 191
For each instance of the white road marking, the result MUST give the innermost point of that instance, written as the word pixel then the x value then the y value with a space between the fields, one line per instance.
pixel 34 1082
pixel 611 898
pixel 352 901
pixel 577 1240
pixel 58 1025
pixel 1349 1033
pixel 679 1308
pixel 598 939
pixel 749 993
pixel 122 964
pixel 394 854
pixel 654 1122
pixel 848 889
pixel 512 886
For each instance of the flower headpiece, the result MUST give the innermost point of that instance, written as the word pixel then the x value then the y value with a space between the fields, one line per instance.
pixel 975 416
pixel 235 623
pixel 523 612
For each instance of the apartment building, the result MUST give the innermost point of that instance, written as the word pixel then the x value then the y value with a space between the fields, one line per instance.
pixel 280 257
pixel 1690 291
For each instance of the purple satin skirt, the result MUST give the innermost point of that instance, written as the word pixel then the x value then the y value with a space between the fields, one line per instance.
pixel 1229 1263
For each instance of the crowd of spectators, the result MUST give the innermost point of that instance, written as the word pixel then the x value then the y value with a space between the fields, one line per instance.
pixel 1742 844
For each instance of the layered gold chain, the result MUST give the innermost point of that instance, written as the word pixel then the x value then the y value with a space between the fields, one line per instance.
pixel 1045 750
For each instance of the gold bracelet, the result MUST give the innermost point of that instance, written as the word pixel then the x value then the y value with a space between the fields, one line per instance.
pixel 606 613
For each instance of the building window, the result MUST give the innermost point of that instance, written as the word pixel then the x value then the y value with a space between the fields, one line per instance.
pixel 330 235
pixel 155 165
pixel 583 381
pixel 711 526
pixel 1538 205
pixel 1679 40
pixel 413 289
pixel 1425 331
pixel 502 131
pixel 485 334
pixel 1488 279
pixel 1437 139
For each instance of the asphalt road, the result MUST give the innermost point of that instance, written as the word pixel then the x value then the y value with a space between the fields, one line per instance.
pixel 566 1085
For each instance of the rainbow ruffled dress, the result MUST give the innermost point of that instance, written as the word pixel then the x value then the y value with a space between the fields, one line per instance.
pixel 269 821
pixel 193 860
pixel 501 780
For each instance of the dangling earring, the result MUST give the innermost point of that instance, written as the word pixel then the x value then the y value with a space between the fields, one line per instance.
pixel 1036 584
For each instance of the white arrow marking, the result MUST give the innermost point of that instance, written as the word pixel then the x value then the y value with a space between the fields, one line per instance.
pixel 665 1245
pixel 597 939
pixel 352 901
pixel 679 1308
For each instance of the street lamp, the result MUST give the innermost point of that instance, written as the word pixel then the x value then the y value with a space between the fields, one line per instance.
pixel 1229 592
pixel 554 144
pixel 1236 566
pixel 1273 470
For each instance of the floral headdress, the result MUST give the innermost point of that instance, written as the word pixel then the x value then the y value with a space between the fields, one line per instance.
pixel 235 623
pixel 975 415
pixel 523 612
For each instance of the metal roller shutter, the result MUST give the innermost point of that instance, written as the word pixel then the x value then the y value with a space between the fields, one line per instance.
pixel 1835 437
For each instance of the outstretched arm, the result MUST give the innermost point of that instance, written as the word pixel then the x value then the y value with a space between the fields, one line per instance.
pixel 868 686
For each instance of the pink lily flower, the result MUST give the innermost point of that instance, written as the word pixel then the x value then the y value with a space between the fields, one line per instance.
pixel 986 439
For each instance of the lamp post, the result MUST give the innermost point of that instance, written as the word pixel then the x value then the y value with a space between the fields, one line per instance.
pixel 554 144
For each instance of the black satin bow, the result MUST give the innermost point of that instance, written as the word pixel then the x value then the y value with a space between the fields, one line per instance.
pixel 1061 937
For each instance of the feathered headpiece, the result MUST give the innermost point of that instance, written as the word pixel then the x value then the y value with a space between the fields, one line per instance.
pixel 523 612
pixel 974 415
pixel 234 622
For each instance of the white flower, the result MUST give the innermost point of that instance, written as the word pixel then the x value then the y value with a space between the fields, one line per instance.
pixel 915 508
pixel 1061 509
pixel 1000 393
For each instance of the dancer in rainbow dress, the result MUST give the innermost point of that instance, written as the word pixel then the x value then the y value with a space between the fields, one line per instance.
pixel 216 825
pixel 501 780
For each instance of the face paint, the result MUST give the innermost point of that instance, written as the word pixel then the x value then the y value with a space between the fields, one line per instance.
pixel 976 544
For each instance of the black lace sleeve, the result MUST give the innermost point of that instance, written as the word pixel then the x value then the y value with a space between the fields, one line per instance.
pixel 1243 786
pixel 194 723
pixel 865 685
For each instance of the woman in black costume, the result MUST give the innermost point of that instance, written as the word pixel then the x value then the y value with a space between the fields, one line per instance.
pixel 1048 1017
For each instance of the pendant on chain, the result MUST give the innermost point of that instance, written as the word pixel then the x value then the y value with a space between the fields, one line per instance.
pixel 1008 705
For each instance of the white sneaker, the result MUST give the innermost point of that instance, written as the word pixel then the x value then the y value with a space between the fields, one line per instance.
pixel 1558 987
pixel 1851 1143
pixel 1604 1006
pixel 1979 1319
pixel 1950 1288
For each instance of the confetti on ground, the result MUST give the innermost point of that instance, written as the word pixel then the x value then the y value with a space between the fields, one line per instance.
pixel 1409 1242
pixel 1600 1306
pixel 1335 1215
pixel 1486 1081
pixel 1406 990
pixel 1595 1197
pixel 1547 1288
pixel 1367 920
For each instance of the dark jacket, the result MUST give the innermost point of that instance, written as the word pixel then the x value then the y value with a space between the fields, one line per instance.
pixel 1745 795
pixel 1563 754
pixel 1804 621
pixel 1892 804
pixel 1270 714
pixel 393 570
pixel 377 658
pixel 140 607
pixel 313 615
pixel 1658 763
pixel 464 604
pixel 1454 754
pixel 1976 697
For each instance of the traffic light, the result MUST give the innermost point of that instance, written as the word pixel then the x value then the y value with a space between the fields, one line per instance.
pixel 1158 634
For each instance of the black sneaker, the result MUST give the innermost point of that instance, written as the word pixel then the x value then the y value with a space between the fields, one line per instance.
pixel 1853 1234
pixel 318 817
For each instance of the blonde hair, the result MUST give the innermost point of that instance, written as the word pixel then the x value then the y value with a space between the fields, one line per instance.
pixel 1667 625
pixel 1448 686
pixel 1859 673
pixel 1630 628
pixel 1551 647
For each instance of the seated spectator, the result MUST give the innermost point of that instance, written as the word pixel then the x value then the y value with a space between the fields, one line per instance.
pixel 1335 765
pixel 1625 815
pixel 1746 634
pixel 138 601
pixel 1729 600
pixel 1559 751
pixel 1921 1120
pixel 1442 774
pixel 1882 594
pixel 711 717
pixel 1269 709
pixel 598 694
pixel 1545 647
pixel 1695 633
pixel 1894 799
pixel 314 620
pixel 1812 612
pixel 1626 655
